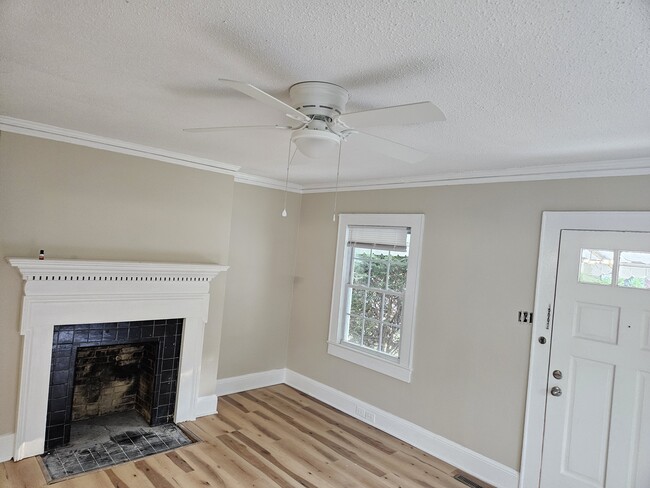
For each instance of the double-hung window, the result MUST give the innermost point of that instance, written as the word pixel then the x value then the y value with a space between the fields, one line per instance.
pixel 375 287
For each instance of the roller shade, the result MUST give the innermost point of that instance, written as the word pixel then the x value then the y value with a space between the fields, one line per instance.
pixel 394 238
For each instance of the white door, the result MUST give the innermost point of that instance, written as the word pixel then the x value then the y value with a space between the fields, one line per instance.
pixel 597 429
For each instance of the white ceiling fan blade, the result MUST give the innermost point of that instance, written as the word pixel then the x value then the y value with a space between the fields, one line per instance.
pixel 413 113
pixel 389 148
pixel 238 127
pixel 264 97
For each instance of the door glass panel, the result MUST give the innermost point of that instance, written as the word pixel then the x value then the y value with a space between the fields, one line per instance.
pixel 596 266
pixel 634 270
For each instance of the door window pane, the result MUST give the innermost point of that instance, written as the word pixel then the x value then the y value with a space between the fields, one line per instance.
pixel 596 266
pixel 634 270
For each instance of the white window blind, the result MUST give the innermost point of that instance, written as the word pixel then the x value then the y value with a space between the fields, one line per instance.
pixel 374 236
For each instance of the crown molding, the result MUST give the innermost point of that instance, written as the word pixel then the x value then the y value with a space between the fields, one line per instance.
pixel 618 167
pixel 44 131
pixel 248 179
pixel 622 167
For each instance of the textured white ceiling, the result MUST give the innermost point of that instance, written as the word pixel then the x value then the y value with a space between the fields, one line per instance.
pixel 523 83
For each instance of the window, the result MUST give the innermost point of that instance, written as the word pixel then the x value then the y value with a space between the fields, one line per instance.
pixel 375 287
pixel 632 268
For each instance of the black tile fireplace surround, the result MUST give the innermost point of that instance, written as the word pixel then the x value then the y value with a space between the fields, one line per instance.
pixel 166 336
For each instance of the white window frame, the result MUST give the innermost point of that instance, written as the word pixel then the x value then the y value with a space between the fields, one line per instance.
pixel 399 368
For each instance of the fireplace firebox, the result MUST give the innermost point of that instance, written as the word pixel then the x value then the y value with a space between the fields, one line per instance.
pixel 105 368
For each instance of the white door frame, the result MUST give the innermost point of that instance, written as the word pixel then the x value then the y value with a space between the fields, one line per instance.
pixel 553 223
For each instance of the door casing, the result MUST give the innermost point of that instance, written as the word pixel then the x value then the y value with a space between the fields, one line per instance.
pixel 553 223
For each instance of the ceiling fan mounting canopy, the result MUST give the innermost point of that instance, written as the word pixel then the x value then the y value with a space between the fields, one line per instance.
pixel 319 108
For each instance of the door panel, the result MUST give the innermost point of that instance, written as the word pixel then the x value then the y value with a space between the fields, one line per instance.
pixel 587 430
pixel 597 431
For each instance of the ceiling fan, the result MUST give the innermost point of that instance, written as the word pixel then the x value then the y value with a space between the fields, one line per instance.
pixel 320 123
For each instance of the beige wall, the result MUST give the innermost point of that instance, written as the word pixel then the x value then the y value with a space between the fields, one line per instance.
pixel 478 269
pixel 77 202
pixel 260 281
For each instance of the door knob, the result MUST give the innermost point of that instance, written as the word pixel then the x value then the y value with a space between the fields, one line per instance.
pixel 556 391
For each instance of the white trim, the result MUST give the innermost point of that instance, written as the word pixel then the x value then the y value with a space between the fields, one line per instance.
pixel 6 447
pixel 235 384
pixel 44 131
pixel 248 179
pixel 619 167
pixel 59 292
pixel 370 361
pixel 552 225
pixel 205 405
pixel 397 368
pixel 459 456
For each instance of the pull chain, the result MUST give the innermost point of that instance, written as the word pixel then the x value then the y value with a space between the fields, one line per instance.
pixel 336 189
pixel 286 181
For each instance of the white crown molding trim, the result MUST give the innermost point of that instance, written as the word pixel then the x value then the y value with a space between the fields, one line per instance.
pixel 44 131
pixel 6 447
pixel 248 179
pixel 236 384
pixel 461 457
pixel 623 167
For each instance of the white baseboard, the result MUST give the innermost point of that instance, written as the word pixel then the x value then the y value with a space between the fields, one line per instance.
pixel 461 457
pixel 226 386
pixel 465 459
pixel 206 405
pixel 6 447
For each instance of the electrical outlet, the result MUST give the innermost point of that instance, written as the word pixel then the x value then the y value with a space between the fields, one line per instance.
pixel 370 417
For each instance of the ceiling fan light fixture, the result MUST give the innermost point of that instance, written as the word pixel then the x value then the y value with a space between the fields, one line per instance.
pixel 315 143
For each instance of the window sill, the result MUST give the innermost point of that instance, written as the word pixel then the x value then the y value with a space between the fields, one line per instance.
pixel 369 361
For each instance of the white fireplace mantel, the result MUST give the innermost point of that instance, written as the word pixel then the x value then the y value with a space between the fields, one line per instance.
pixel 65 292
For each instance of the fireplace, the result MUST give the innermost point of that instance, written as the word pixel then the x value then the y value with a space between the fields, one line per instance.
pixel 99 298
pixel 98 369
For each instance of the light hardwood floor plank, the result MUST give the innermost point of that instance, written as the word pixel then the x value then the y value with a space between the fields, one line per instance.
pixel 274 437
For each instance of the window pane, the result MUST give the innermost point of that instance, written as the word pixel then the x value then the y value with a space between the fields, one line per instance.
pixel 373 305
pixel 361 253
pixel 392 309
pixel 390 340
pixel 397 277
pixel 355 330
pixel 634 270
pixel 357 301
pixel 371 334
pixel 596 266
pixel 397 257
pixel 378 274
pixel 360 272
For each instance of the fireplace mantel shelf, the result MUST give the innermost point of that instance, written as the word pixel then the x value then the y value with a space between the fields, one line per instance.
pixel 68 292
pixel 75 270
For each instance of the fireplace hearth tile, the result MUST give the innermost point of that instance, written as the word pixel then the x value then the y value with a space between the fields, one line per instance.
pixel 64 462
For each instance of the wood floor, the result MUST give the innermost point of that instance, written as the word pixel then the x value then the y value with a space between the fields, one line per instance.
pixel 269 437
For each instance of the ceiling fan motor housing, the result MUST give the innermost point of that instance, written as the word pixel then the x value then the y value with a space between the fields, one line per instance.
pixel 319 98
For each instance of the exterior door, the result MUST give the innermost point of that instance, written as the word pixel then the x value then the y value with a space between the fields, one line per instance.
pixel 597 429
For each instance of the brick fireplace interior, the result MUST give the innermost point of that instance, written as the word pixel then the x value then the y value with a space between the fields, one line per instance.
pixel 107 368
